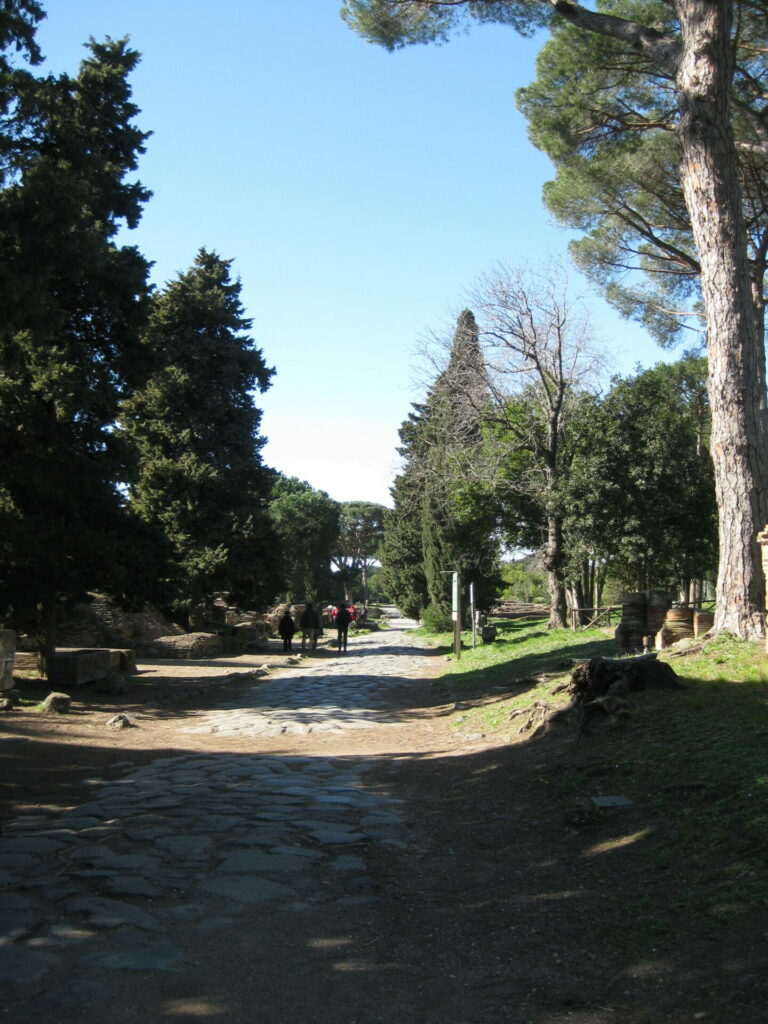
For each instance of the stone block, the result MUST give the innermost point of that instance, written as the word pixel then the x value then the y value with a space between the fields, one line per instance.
pixel 76 667
pixel 123 660
pixel 7 657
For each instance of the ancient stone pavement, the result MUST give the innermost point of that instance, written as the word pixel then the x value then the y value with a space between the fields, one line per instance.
pixel 200 839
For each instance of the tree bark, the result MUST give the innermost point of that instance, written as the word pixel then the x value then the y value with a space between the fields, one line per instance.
pixel 736 383
pixel 553 562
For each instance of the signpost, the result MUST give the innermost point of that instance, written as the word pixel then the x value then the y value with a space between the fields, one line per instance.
pixel 456 614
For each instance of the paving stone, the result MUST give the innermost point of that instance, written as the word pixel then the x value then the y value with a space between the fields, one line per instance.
pixel 15 924
pixel 333 837
pixel 348 862
pixel 248 889
pixel 18 862
pixel 132 862
pixel 78 824
pixel 299 851
pixel 22 966
pixel 154 958
pixel 212 923
pixel 127 885
pixel 185 846
pixel 14 901
pixel 105 913
pixel 60 890
pixel 36 845
pixel 255 861
pixel 216 823
pixel 91 854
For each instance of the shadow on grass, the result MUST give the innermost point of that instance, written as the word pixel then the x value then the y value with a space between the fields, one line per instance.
pixel 513 672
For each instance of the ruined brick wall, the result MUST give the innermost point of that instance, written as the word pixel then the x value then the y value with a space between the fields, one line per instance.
pixel 99 623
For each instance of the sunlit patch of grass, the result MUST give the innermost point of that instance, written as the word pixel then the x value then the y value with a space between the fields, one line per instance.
pixel 522 647
pixel 617 842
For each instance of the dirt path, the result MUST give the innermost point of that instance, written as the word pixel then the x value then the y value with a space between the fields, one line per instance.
pixel 321 846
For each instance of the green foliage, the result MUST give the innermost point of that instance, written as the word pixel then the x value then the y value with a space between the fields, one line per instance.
pixel 606 117
pixel 74 305
pixel 397 23
pixel 523 581
pixel 435 620
pixel 377 592
pixel 401 553
pixel 194 426
pixel 307 524
pixel 641 497
pixel 361 531
pixel 442 520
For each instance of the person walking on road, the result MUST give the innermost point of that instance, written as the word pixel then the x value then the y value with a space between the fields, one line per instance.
pixel 309 624
pixel 286 628
pixel 343 619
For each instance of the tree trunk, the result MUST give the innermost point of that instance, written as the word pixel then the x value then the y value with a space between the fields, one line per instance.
pixel 736 383
pixel 47 636
pixel 553 562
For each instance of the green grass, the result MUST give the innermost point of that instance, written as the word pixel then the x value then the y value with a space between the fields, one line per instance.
pixel 693 761
pixel 523 647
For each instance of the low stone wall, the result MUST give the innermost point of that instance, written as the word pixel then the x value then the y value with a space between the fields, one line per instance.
pixel 188 645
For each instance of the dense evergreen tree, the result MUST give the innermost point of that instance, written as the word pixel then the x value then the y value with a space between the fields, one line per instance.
pixel 73 305
pixel 194 427
pixel 401 553
pixel 442 520
pixel 716 114
pixel 307 525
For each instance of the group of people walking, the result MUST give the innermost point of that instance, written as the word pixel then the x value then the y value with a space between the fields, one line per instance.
pixel 311 625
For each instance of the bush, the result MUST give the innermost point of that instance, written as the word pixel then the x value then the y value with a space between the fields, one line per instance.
pixel 435 620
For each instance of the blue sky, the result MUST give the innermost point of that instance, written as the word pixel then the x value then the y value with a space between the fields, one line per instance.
pixel 359 194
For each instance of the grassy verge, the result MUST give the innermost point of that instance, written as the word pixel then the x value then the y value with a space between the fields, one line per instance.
pixel 693 761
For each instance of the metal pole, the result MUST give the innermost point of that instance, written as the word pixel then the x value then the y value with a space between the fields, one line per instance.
pixel 472 612
pixel 457 615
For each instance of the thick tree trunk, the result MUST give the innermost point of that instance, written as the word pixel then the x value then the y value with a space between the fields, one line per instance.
pixel 553 562
pixel 736 353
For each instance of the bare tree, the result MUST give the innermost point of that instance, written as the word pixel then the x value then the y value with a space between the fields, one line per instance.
pixel 539 359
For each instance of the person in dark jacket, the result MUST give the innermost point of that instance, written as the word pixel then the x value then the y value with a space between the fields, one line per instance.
pixel 309 624
pixel 286 628
pixel 343 619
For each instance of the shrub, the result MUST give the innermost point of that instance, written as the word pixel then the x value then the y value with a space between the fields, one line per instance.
pixel 436 620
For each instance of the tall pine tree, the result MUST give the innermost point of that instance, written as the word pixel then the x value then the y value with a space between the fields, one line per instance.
pixel 195 429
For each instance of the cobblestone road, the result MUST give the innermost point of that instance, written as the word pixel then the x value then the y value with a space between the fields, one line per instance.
pixel 202 837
